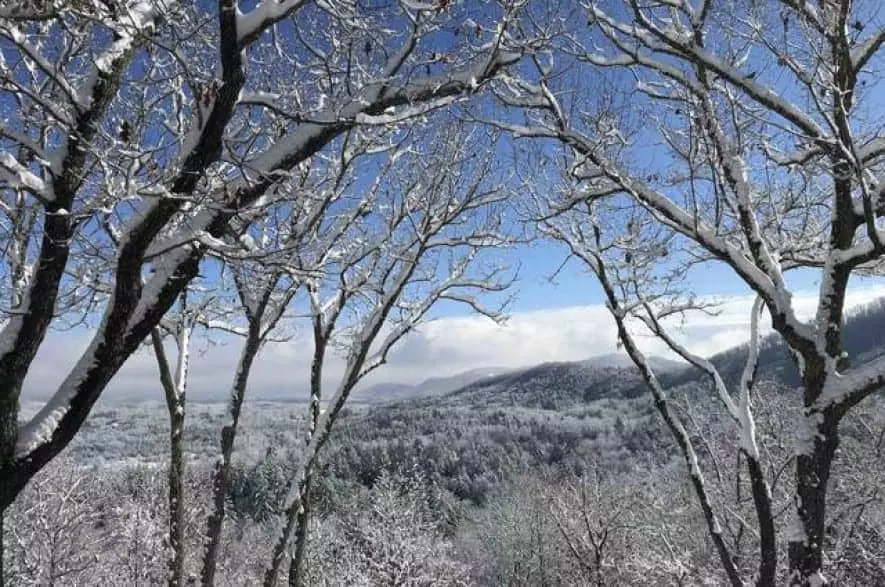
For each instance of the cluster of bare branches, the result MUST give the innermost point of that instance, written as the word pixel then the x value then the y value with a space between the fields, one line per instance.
pixel 143 140
pixel 305 148
pixel 744 134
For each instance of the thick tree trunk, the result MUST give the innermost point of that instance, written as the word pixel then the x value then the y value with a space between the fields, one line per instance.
pixel 221 474
pixel 296 565
pixel 813 466
pixel 297 515
pixel 765 517
pixel 812 477
pixel 215 522
pixel 279 551
pixel 2 549
pixel 8 433
pixel 8 438
pixel 176 498
pixel 175 403
pixel 22 336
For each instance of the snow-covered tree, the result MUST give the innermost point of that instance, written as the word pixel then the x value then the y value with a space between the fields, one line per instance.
pixel 135 134
pixel 749 132
pixel 194 309
pixel 56 530
pixel 414 238
pixel 391 535
pixel 264 294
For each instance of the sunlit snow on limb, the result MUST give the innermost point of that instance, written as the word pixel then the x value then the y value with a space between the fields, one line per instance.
pixel 16 176
pixel 40 428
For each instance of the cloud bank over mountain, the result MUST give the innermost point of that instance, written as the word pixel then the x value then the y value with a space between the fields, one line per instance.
pixel 441 348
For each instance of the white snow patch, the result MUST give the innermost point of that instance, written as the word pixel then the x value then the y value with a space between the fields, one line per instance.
pixel 794 531
pixel 19 175
pixel 265 12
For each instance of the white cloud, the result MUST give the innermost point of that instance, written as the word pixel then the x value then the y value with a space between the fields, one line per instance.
pixel 439 348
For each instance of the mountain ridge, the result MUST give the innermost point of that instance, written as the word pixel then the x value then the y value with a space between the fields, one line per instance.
pixel 562 384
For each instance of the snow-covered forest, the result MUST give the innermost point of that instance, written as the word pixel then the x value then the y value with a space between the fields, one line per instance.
pixel 176 171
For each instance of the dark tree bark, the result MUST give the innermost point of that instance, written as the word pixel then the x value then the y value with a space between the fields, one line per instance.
pixel 297 574
pixel 2 550
pixel 765 517
pixel 175 405
pixel 221 473
pixel 321 335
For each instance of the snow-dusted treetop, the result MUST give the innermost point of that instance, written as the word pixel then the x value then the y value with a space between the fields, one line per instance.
pixel 752 133
pixel 137 135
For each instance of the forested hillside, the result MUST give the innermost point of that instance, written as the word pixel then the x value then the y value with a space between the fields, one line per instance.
pixel 483 484
pixel 863 339
pixel 564 414
pixel 460 479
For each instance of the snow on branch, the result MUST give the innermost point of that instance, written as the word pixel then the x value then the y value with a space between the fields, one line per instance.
pixel 17 176
pixel 138 18
pixel 376 101
pixel 18 38
pixel 112 134
pixel 677 43
pixel 844 390
pixel 264 15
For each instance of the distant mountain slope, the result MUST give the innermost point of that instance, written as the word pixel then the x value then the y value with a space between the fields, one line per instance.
pixel 382 392
pixel 863 337
pixel 555 386
pixel 562 385
pixel 590 373
pixel 556 414
pixel 622 360
pixel 564 414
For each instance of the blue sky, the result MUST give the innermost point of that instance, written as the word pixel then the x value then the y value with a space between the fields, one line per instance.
pixel 559 321
pixel 551 319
